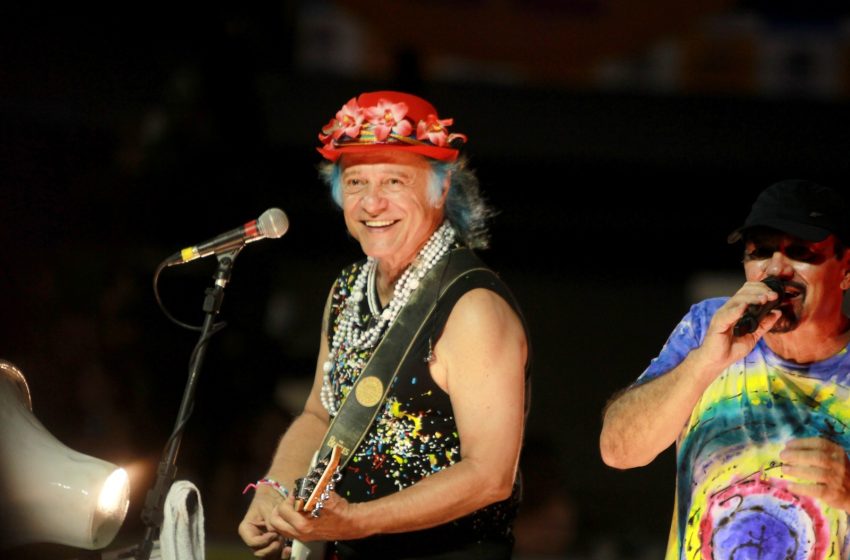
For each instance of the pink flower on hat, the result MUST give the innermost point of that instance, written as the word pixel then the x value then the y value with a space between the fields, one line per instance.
pixel 388 118
pixel 435 130
pixel 348 121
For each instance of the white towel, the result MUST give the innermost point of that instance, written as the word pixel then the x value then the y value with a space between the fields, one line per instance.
pixel 182 535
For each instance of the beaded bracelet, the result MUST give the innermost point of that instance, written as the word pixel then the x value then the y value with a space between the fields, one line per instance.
pixel 269 482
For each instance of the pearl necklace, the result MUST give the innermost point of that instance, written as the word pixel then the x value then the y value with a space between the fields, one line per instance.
pixel 350 332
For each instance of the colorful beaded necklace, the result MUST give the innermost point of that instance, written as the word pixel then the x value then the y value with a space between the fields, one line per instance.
pixel 350 333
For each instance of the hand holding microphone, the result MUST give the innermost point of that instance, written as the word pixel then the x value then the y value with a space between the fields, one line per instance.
pixel 754 314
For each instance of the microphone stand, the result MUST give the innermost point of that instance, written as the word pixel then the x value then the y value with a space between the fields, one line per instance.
pixel 152 513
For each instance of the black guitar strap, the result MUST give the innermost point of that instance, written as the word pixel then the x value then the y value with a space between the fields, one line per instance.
pixel 361 405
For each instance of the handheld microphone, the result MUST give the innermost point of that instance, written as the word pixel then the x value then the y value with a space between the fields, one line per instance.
pixel 272 223
pixel 751 318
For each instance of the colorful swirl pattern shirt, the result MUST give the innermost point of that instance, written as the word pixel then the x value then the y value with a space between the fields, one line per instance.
pixel 732 500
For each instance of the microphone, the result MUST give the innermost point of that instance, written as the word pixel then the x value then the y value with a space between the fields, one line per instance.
pixel 751 318
pixel 272 223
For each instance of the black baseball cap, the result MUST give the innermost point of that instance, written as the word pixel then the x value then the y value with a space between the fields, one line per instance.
pixel 800 208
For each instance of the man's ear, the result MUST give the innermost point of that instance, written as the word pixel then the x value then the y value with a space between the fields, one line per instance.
pixel 447 183
pixel 845 280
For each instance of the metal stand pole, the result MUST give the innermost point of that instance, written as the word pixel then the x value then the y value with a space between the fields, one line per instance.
pixel 152 513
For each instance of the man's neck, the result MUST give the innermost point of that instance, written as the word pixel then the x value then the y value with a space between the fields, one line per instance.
pixel 810 343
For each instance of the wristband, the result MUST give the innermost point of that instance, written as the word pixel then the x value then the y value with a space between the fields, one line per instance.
pixel 281 489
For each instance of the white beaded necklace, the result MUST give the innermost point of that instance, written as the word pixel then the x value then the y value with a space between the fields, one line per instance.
pixel 350 333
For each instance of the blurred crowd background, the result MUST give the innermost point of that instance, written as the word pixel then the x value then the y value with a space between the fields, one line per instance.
pixel 620 141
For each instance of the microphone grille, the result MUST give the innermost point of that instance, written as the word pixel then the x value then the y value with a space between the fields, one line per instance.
pixel 273 223
pixel 776 285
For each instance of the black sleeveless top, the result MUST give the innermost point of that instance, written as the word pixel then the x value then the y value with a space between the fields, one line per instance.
pixel 413 436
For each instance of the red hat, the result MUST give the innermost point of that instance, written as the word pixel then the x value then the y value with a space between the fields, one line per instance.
pixel 389 120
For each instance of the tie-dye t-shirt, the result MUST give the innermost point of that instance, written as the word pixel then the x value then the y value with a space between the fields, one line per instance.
pixel 732 500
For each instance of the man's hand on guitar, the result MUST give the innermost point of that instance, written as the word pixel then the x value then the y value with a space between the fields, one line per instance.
pixel 335 522
pixel 256 531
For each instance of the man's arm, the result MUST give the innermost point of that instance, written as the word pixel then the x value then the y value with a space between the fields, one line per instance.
pixel 296 448
pixel 480 361
pixel 291 461
pixel 645 420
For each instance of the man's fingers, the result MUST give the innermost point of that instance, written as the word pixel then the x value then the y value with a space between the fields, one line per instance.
pixel 255 536
pixel 819 459
pixel 811 474
pixel 767 323
pixel 813 443
pixel 266 545
pixel 283 525
pixel 811 490
pixel 814 452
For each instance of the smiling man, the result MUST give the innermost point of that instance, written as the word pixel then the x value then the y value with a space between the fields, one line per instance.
pixel 421 376
pixel 761 419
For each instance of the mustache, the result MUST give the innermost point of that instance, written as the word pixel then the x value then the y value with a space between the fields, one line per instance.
pixel 801 288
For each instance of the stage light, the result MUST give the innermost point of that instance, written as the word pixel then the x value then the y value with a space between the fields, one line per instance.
pixel 51 493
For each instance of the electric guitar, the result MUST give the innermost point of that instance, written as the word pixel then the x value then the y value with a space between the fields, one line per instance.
pixel 311 493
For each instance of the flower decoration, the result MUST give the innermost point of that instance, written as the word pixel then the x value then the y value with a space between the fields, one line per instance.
pixel 435 131
pixel 348 121
pixel 389 120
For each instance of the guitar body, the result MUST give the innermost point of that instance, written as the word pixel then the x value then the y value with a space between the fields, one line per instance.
pixel 311 493
pixel 302 551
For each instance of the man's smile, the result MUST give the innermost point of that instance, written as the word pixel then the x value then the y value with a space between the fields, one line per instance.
pixel 379 224
pixel 792 291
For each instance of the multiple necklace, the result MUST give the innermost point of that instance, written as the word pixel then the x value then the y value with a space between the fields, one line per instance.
pixel 350 332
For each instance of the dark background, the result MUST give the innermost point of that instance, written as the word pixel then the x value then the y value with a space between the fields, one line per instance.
pixel 620 145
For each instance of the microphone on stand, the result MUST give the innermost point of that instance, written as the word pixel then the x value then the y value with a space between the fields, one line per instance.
pixel 272 223
pixel 751 318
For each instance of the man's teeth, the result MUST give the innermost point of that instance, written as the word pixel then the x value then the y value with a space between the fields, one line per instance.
pixel 379 223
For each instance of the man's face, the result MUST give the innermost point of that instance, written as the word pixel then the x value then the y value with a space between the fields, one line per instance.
pixel 386 204
pixel 814 278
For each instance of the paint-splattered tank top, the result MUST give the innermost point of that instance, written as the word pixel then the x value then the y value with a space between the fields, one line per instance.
pixel 414 435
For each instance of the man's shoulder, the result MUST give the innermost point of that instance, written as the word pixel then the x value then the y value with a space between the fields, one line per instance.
pixel 708 307
pixel 481 301
pixel 477 289
pixel 698 317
